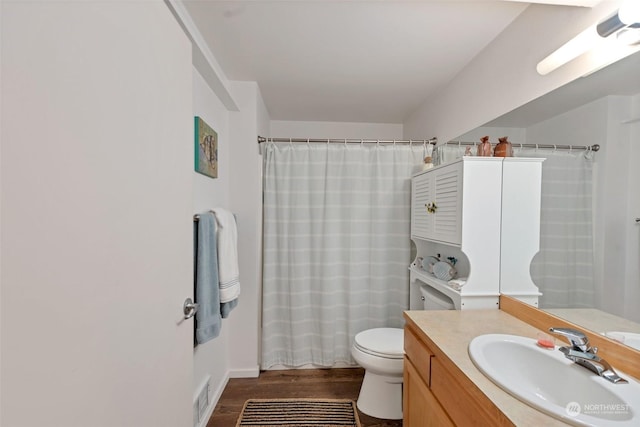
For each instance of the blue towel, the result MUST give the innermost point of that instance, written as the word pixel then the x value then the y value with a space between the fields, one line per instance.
pixel 208 316
pixel 226 307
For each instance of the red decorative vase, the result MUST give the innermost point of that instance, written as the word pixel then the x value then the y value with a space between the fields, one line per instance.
pixel 504 148
pixel 484 149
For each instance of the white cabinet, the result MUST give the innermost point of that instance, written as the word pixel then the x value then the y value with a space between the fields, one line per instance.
pixel 520 228
pixel 461 209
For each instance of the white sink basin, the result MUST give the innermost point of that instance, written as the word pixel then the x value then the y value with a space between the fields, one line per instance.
pixel 553 384
pixel 627 338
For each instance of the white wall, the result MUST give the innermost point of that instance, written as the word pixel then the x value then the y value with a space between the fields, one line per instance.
pixel 211 358
pixel 503 76
pixel 245 199
pixel 611 206
pixel 96 118
pixel 264 128
pixel 619 195
pixel 1 184
pixel 337 130
pixel 516 135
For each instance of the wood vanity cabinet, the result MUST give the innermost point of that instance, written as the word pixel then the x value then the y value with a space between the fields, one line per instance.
pixel 420 407
pixel 437 393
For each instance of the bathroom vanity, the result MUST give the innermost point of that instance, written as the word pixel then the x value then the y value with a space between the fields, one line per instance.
pixel 442 386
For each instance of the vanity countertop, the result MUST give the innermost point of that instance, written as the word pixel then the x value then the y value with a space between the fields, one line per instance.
pixel 452 330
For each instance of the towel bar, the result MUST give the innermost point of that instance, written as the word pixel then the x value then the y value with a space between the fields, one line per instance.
pixel 196 217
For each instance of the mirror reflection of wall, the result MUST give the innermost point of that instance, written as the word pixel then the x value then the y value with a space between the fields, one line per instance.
pixel 590 241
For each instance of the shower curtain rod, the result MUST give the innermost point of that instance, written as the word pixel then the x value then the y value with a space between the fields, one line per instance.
pixel 432 141
pixel 594 147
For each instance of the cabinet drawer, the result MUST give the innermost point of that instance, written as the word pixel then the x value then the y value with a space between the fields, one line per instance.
pixel 421 409
pixel 419 354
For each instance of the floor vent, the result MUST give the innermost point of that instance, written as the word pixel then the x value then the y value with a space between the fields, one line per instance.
pixel 201 403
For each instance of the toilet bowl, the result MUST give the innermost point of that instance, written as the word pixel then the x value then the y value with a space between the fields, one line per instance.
pixel 380 352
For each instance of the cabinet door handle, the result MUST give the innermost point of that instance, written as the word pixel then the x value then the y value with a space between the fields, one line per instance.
pixel 431 207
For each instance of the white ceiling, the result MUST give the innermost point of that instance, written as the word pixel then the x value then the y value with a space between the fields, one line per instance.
pixel 350 61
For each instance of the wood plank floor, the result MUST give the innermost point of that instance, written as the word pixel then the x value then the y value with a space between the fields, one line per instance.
pixel 308 383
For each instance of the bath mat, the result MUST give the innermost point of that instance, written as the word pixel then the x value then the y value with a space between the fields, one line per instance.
pixel 299 413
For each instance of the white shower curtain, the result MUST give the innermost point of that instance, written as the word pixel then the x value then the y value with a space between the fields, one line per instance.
pixel 563 269
pixel 336 247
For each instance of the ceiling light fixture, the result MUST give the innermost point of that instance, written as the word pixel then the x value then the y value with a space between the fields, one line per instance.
pixel 628 16
pixel 629 36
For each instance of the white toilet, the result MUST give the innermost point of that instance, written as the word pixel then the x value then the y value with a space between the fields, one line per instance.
pixel 380 352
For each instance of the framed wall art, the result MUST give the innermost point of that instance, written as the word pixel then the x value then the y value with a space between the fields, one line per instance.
pixel 206 149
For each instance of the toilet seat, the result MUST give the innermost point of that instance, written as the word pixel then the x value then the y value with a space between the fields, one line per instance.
pixel 387 343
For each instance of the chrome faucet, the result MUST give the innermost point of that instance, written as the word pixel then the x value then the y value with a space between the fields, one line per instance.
pixel 584 355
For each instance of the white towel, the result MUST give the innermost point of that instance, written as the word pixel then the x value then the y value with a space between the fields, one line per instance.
pixel 457 284
pixel 227 255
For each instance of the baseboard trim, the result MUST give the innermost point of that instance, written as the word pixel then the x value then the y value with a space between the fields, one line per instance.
pixel 215 397
pixel 338 365
pixel 245 373
pixel 217 393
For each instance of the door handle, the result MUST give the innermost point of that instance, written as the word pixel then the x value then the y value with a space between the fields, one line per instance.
pixel 189 308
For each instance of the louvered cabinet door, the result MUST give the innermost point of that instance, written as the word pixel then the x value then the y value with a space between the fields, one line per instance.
pixel 448 199
pixel 422 193
pixel 440 188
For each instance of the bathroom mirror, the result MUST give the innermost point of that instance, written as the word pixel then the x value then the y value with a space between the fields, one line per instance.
pixel 598 233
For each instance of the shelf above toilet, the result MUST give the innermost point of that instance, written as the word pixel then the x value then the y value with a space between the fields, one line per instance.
pixel 463 299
